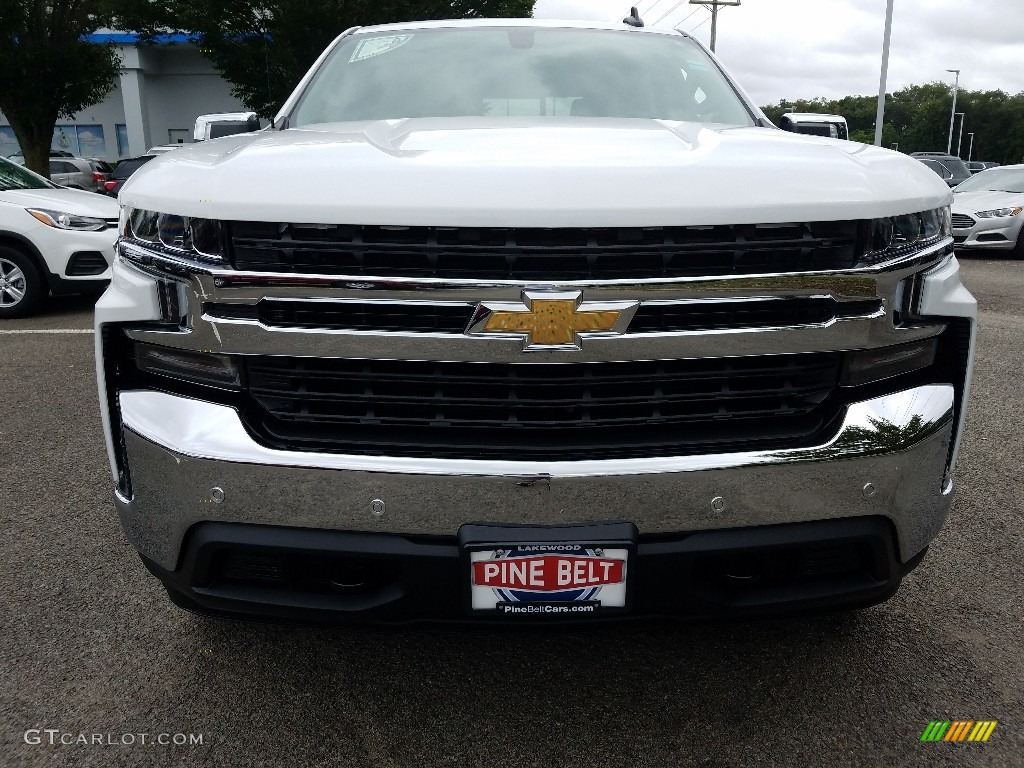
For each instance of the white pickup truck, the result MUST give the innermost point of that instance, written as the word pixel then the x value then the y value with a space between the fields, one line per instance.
pixel 512 321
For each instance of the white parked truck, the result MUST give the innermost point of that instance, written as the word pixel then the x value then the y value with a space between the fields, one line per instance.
pixel 815 124
pixel 515 320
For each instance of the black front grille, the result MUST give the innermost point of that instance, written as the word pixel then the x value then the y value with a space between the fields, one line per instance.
pixel 962 221
pixel 454 318
pixel 85 263
pixel 544 254
pixel 549 411
pixel 714 315
pixel 382 316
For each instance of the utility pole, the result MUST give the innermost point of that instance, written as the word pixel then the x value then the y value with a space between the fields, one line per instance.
pixel 880 114
pixel 970 151
pixel 713 7
pixel 960 134
pixel 952 114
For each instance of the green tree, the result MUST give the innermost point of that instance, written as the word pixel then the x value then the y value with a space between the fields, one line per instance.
pixel 264 47
pixel 48 71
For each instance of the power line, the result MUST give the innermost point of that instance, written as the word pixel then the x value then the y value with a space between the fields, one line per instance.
pixel 654 5
pixel 668 13
pixel 677 24
pixel 683 21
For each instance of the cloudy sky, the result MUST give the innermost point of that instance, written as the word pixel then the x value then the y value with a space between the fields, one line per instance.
pixel 806 48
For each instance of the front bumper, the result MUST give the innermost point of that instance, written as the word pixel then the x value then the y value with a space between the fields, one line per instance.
pixel 998 234
pixel 58 246
pixel 295 575
pixel 185 464
pixel 192 462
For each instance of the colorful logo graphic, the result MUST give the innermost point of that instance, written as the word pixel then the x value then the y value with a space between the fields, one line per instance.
pixel 958 730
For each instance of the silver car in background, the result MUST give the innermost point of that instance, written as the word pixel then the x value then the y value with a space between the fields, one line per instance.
pixel 988 211
pixel 73 172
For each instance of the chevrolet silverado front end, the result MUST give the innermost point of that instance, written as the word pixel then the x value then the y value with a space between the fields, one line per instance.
pixel 504 320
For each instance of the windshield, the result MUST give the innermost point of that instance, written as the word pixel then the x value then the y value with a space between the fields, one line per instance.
pixel 13 176
pixel 995 180
pixel 495 72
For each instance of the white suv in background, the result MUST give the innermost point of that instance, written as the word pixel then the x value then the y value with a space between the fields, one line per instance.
pixel 52 240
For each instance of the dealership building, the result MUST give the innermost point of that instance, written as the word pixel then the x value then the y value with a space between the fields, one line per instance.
pixel 163 87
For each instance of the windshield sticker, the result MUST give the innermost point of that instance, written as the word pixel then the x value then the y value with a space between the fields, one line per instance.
pixel 375 46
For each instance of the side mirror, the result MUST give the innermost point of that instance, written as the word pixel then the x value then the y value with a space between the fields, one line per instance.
pixel 225 124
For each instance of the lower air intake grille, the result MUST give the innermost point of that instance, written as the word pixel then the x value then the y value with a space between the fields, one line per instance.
pixel 534 411
pixel 85 263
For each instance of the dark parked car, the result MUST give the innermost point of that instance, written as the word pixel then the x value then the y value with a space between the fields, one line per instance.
pixel 101 171
pixel 977 166
pixel 121 173
pixel 950 168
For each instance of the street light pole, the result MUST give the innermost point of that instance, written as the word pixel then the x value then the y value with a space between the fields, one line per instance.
pixel 952 114
pixel 880 114
pixel 970 151
pixel 960 134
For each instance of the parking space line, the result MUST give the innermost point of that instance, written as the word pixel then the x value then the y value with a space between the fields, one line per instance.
pixel 17 331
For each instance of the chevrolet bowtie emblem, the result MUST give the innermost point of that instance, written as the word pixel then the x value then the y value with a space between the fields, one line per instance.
pixel 548 320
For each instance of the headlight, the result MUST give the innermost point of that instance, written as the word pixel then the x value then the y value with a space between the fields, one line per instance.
pixel 61 220
pixel 896 234
pixel 998 213
pixel 192 236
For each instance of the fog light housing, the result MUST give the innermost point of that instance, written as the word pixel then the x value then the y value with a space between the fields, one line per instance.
pixel 868 365
pixel 204 368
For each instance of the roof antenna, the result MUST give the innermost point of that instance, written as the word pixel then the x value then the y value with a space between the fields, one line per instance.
pixel 633 19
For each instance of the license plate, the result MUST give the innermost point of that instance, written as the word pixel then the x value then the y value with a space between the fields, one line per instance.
pixel 548 579
pixel 571 571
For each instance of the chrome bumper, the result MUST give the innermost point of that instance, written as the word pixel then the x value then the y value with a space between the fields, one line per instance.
pixel 192 461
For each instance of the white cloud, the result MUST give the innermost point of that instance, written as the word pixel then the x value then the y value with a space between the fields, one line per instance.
pixel 832 48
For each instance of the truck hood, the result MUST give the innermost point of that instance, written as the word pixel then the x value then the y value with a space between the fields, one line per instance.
pixel 546 172
pixel 75 201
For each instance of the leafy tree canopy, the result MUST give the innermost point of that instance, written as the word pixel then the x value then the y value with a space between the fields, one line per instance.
pixel 917 120
pixel 48 71
pixel 264 47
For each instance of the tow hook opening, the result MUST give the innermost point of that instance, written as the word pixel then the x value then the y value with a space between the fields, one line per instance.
pixel 743 570
pixel 749 576
pixel 303 572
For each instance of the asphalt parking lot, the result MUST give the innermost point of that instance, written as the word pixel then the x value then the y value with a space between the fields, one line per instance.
pixel 90 644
